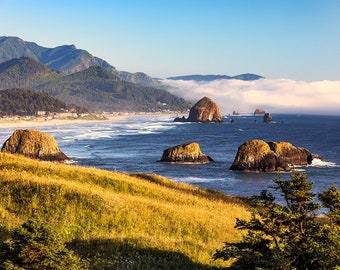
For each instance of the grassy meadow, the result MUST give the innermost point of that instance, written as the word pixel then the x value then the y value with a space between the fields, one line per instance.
pixel 116 220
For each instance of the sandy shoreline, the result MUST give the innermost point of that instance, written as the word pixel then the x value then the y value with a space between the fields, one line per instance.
pixel 41 122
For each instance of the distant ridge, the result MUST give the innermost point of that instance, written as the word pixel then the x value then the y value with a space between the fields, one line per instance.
pixel 65 58
pixel 211 77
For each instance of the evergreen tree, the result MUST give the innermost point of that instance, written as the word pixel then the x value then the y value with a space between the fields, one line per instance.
pixel 35 246
pixel 287 236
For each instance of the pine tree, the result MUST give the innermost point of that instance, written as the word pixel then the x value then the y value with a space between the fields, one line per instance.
pixel 287 236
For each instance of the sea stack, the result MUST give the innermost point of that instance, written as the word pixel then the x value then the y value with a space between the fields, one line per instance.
pixel 185 153
pixel 34 144
pixel 267 118
pixel 205 110
pixel 259 111
pixel 261 156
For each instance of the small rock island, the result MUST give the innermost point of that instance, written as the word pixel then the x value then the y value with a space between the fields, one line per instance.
pixel 261 156
pixel 205 110
pixel 34 144
pixel 185 153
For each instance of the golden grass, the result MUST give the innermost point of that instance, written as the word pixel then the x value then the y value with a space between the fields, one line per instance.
pixel 89 206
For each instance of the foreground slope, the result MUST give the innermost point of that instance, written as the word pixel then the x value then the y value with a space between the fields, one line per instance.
pixel 119 221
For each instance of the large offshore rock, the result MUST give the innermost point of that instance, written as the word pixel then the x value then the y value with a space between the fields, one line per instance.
pixel 258 155
pixel 205 110
pixel 293 155
pixel 34 144
pixel 185 153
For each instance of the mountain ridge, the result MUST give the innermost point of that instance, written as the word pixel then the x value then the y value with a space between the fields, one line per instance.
pixel 213 77
pixel 67 59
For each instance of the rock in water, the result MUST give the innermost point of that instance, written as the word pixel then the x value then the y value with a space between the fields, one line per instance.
pixel 267 117
pixel 34 144
pixel 205 110
pixel 292 154
pixel 259 111
pixel 258 155
pixel 190 152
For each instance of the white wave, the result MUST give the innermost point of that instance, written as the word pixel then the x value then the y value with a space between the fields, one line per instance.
pixel 321 163
pixel 190 179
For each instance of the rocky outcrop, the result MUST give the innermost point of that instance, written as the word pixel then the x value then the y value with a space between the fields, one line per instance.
pixel 185 153
pixel 291 154
pixel 34 144
pixel 259 111
pixel 205 110
pixel 267 118
pixel 258 155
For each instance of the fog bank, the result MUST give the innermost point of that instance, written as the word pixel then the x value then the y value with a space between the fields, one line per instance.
pixel 273 95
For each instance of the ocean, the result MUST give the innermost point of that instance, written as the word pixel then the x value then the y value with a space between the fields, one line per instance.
pixel 136 145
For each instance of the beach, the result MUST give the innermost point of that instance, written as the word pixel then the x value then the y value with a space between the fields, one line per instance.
pixel 42 122
pixel 105 117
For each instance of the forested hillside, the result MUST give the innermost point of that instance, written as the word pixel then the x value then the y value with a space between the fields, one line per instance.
pixel 25 72
pixel 94 88
pixel 27 102
pixel 97 89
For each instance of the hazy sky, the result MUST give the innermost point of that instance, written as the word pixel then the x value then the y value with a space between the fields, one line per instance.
pixel 292 39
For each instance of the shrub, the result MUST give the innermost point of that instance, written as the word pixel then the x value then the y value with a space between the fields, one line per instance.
pixel 35 246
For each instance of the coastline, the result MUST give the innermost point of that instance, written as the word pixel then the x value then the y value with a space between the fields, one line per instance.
pixel 42 122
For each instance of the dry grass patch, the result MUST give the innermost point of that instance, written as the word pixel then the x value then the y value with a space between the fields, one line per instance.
pixel 129 213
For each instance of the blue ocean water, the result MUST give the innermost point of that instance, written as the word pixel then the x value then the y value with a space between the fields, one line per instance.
pixel 136 145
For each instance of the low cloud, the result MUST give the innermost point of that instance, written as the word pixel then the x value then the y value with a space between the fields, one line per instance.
pixel 273 95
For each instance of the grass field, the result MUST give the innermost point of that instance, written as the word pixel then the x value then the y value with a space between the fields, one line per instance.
pixel 119 221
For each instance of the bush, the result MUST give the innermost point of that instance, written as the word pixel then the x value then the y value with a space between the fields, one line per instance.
pixel 35 246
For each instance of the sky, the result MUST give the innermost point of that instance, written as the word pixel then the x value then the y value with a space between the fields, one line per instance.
pixel 297 41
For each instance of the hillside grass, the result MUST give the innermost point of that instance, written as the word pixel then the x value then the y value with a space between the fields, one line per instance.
pixel 116 220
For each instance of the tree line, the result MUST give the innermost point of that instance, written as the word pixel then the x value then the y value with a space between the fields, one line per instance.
pixel 27 102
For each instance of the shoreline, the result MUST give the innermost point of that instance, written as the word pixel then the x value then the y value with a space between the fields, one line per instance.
pixel 42 122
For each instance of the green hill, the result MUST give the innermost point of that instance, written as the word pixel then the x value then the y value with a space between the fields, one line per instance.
pixel 27 102
pixel 97 89
pixel 25 72
pixel 119 221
